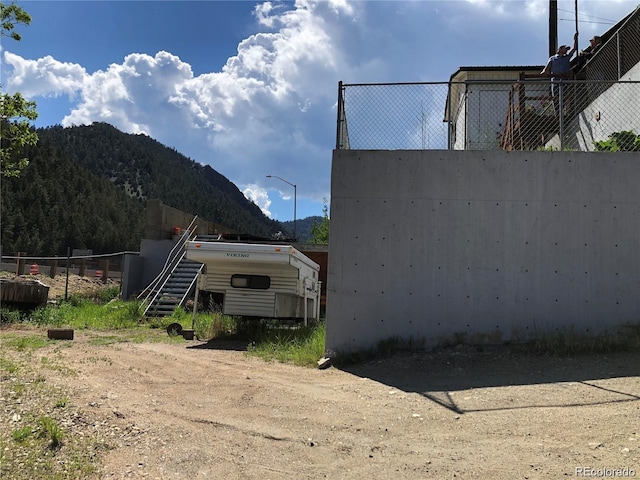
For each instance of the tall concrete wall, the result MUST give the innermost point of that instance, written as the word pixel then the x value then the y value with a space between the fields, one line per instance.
pixel 499 246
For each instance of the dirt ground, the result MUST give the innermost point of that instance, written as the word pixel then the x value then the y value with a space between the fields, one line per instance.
pixel 59 285
pixel 208 411
pixel 199 410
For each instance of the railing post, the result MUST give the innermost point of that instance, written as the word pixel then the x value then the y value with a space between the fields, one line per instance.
pixel 522 105
pixel 66 283
pixel 339 116
pixel 618 55
pixel 561 113
pixel 450 115
pixel 466 116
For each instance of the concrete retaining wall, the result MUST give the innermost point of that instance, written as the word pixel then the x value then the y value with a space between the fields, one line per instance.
pixel 494 245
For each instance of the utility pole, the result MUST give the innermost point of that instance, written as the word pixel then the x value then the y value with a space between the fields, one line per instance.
pixel 553 27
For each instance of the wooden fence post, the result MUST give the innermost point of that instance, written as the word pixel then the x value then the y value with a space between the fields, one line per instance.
pixel 53 271
pixel 104 265
pixel 21 263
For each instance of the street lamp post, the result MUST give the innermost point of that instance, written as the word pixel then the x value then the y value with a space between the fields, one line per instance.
pixel 295 201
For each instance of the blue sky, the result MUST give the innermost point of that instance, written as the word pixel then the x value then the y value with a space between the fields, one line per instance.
pixel 250 88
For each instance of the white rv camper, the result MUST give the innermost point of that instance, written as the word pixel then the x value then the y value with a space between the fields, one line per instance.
pixel 258 280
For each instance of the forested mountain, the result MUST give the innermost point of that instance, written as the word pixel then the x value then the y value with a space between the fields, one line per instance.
pixel 86 187
pixel 303 228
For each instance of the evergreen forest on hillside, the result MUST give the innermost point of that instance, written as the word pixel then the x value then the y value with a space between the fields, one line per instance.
pixel 86 187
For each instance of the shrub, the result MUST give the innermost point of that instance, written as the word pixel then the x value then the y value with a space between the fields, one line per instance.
pixel 625 141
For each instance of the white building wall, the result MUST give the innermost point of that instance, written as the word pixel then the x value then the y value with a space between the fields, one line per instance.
pixel 498 246
pixel 481 118
pixel 616 110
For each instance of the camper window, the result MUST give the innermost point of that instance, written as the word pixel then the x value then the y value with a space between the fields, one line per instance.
pixel 256 282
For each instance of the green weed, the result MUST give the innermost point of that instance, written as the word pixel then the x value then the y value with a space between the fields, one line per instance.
pixel 51 431
pixel 22 434
pixel 8 315
pixel 22 344
pixel 209 325
pixel 49 315
pixel 104 295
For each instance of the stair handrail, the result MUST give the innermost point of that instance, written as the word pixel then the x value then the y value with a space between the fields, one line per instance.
pixel 195 278
pixel 166 278
pixel 169 264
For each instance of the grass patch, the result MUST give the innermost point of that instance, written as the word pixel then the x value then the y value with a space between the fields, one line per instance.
pixel 24 344
pixel 99 295
pixel 215 325
pixel 107 340
pixel 9 315
pixel 567 341
pixel 22 434
pixel 8 366
pixel 301 346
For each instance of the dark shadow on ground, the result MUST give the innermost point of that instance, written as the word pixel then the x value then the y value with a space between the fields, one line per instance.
pixel 230 343
pixel 450 377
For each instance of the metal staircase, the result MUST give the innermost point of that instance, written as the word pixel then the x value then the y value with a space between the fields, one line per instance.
pixel 175 283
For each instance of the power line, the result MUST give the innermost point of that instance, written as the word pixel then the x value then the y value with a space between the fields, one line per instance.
pixel 586 15
pixel 587 21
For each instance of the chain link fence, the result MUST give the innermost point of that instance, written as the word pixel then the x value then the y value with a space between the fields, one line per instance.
pixel 102 266
pixel 527 112
pixel 520 115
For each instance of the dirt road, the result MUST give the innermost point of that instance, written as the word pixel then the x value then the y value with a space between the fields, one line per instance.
pixel 208 411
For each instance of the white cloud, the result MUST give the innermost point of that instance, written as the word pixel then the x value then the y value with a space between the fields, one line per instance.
pixel 44 77
pixel 262 106
pixel 259 196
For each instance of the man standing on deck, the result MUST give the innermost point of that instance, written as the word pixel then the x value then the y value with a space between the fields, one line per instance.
pixel 558 68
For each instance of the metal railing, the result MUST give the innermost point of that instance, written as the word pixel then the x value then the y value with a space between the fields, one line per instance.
pixel 574 115
pixel 483 115
pixel 618 55
pixel 174 257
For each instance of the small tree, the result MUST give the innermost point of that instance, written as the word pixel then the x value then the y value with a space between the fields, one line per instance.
pixel 16 113
pixel 320 231
pixel 10 15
